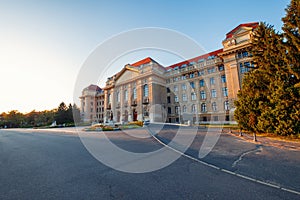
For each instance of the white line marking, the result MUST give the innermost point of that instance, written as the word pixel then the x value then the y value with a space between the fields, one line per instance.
pixel 224 170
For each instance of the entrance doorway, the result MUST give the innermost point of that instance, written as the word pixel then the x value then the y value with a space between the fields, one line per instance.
pixel 134 114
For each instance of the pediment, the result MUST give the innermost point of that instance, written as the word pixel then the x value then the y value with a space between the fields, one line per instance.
pixel 240 30
pixel 126 74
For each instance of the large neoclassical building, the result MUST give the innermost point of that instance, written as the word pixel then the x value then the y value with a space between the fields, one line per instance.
pixel 204 87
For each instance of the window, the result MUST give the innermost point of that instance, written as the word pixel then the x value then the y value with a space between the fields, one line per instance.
pixel 194 109
pixel 193 96
pixel 168 99
pixel 245 54
pixel 202 94
pixel 176 98
pixel 221 68
pixel 126 95
pixel 212 80
pixel 216 118
pixel 192 76
pixel 168 90
pixel 183 86
pixel 175 88
pixel 118 96
pixel 192 85
pixel 214 107
pixel 146 90
pixel 92 103
pixel 203 107
pixel 201 83
pixel 223 79
pixel 244 68
pixel 184 109
pixel 213 93
pixel 201 73
pixel 134 93
pixel 211 70
pixel 169 110
pixel 226 105
pixel 225 91
pixel 183 77
pixel 184 98
pixel 176 109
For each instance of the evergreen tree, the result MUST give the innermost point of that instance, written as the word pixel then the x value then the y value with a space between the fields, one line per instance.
pixel 270 97
pixel 61 116
pixel 291 24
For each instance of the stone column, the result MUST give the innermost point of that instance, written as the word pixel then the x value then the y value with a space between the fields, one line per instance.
pixel 113 103
pixel 139 87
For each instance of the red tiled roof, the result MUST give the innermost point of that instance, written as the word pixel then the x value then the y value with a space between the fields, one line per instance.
pixel 141 62
pixel 93 87
pixel 252 24
pixel 214 53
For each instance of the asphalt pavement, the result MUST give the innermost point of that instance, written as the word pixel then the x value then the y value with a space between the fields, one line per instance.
pixel 45 165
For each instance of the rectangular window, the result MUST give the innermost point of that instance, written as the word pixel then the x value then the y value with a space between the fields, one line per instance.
pixel 214 106
pixel 192 85
pixel 225 91
pixel 176 109
pixel 212 80
pixel 176 98
pixel 146 90
pixel 134 93
pixel 223 79
pixel 226 105
pixel 175 88
pixel 213 93
pixel 184 98
pixel 193 95
pixel 201 83
pixel 168 99
pixel 125 95
pixel 211 70
pixel 221 68
pixel 183 86
pixel 169 110
pixel 202 94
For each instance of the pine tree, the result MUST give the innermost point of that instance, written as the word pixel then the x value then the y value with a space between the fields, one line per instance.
pixel 292 38
pixel 269 100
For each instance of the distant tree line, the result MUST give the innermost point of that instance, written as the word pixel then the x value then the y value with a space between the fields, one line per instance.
pixel 63 115
pixel 269 100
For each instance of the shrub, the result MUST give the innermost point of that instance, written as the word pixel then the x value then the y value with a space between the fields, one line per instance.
pixel 139 123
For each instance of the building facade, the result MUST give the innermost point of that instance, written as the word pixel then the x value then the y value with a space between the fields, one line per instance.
pixel 204 87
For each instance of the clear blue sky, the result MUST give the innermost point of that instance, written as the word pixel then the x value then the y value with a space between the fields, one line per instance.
pixel 44 43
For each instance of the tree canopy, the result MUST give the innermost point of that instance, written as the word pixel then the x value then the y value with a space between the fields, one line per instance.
pixel 62 115
pixel 269 100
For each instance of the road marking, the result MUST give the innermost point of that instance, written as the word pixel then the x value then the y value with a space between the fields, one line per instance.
pixel 221 169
